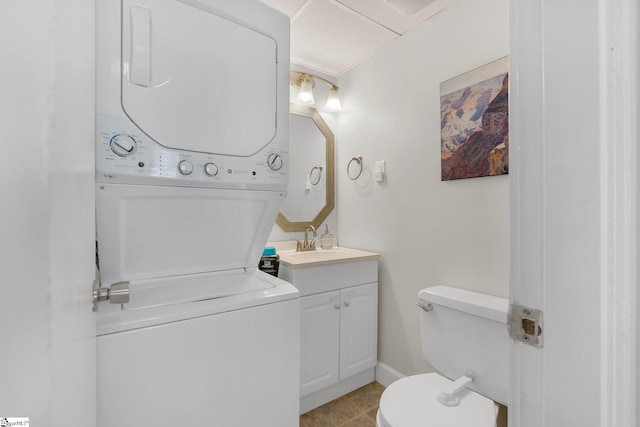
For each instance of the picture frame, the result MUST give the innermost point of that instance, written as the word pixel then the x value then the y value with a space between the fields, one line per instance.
pixel 474 122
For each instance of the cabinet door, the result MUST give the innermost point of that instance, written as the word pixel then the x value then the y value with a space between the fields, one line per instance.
pixel 319 341
pixel 358 329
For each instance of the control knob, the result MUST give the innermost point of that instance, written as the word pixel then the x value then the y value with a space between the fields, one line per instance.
pixel 185 167
pixel 123 145
pixel 211 169
pixel 274 161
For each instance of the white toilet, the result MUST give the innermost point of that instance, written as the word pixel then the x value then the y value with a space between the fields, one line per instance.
pixel 465 338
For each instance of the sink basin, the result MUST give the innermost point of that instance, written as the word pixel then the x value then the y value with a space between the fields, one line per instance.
pixel 324 256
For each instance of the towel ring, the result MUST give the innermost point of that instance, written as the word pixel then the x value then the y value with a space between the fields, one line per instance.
pixel 357 168
pixel 314 178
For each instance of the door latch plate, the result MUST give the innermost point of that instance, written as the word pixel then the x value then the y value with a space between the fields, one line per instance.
pixel 525 325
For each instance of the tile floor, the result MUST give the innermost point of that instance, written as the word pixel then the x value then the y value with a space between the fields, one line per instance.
pixel 356 409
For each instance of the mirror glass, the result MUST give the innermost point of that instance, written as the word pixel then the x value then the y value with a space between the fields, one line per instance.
pixel 310 195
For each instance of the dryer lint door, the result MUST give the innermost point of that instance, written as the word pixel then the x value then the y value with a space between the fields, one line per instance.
pixel 195 80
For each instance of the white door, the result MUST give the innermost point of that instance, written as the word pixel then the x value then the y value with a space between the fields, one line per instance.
pixel 47 328
pixel 573 209
pixel 358 329
pixel 319 341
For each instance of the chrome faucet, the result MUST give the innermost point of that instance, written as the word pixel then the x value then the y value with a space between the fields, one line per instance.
pixel 307 245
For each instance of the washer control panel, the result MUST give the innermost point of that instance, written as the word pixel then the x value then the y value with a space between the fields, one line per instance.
pixel 124 154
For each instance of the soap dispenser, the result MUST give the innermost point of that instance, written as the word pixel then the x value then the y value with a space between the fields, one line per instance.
pixel 327 240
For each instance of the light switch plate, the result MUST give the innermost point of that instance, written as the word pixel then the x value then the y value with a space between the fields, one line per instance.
pixel 380 171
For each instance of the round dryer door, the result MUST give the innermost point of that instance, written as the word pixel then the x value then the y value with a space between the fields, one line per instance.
pixel 197 81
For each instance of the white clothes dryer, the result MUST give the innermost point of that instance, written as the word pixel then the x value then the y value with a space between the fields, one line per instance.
pixel 192 93
pixel 191 168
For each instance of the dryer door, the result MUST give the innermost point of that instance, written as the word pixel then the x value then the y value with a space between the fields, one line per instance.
pixel 194 79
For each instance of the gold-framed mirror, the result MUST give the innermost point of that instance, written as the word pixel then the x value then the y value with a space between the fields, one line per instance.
pixel 311 193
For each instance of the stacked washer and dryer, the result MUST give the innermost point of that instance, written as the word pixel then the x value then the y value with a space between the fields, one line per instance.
pixel 191 169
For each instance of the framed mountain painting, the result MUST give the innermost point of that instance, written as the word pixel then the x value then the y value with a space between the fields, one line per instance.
pixel 474 122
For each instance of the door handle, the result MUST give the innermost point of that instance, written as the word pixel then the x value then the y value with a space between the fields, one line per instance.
pixel 140 55
pixel 118 293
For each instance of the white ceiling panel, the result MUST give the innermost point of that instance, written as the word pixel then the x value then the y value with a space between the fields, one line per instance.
pixel 333 36
pixel 328 37
pixel 392 18
pixel 290 7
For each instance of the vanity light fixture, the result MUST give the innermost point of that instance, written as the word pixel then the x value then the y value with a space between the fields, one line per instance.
pixel 305 96
pixel 333 101
pixel 305 82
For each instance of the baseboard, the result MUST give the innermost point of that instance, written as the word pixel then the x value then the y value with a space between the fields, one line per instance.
pixel 386 375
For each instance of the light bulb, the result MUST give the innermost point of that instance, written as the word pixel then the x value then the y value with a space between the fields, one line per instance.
pixel 333 101
pixel 305 96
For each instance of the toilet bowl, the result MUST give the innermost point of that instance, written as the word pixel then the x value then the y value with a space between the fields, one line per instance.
pixel 464 337
pixel 411 402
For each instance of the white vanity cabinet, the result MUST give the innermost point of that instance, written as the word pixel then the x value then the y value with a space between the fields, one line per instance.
pixel 339 332
pixel 358 329
pixel 339 322
pixel 319 341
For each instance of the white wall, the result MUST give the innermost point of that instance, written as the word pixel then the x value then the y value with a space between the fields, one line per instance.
pixel 428 232
pixel 47 329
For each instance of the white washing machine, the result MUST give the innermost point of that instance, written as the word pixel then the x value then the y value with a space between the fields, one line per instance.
pixel 191 168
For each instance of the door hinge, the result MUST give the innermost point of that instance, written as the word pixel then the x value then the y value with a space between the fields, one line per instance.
pixel 525 325
pixel 118 293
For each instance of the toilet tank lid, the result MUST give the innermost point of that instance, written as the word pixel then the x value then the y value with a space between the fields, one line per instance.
pixel 482 305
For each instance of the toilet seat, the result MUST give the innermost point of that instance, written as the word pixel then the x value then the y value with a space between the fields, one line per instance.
pixel 411 402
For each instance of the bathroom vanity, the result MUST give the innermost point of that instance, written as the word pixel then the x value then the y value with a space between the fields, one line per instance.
pixel 339 320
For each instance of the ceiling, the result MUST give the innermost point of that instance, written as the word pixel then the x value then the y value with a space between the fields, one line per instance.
pixel 333 36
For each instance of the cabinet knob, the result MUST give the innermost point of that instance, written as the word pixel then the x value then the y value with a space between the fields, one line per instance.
pixel 337 306
pixel 346 303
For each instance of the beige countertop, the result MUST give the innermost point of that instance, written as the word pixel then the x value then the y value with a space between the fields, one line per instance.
pixel 293 259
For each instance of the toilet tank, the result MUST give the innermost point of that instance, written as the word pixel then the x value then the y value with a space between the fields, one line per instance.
pixel 464 331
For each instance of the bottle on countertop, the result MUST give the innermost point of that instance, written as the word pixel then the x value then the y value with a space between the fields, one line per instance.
pixel 270 261
pixel 327 240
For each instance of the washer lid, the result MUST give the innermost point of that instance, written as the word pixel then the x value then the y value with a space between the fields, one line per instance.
pixel 411 402
pixel 149 232
pixel 201 295
pixel 165 291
